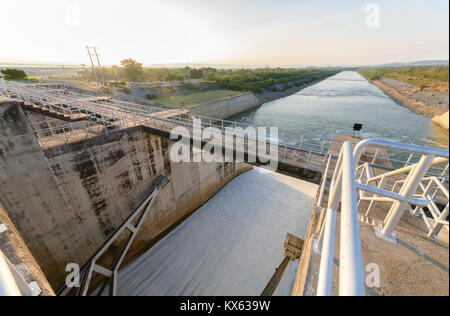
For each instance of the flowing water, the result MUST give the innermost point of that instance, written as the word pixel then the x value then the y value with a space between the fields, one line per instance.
pixel 332 107
pixel 232 244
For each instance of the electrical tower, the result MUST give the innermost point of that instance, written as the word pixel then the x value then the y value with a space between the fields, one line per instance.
pixel 90 54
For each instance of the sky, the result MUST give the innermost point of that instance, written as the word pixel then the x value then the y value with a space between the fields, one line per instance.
pixel 228 32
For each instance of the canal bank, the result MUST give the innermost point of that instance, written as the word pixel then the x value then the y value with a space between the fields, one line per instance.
pixel 332 106
pixel 421 102
pixel 235 105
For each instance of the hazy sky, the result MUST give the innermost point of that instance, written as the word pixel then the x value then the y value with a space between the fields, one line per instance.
pixel 252 32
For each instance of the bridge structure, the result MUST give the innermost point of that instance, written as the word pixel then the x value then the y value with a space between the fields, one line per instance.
pixel 88 116
pixel 303 155
pixel 355 177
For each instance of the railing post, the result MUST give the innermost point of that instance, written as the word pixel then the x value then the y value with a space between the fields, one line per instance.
pixel 407 191
pixel 351 276
pixel 439 223
pixel 323 145
pixel 326 261
pixel 301 143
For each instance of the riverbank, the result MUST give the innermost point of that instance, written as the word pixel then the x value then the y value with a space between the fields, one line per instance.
pixel 334 105
pixel 227 107
pixel 268 96
pixel 428 102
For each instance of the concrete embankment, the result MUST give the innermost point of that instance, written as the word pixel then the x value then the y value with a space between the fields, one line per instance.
pixel 442 120
pixel 420 102
pixel 228 107
pixel 225 108
pixel 268 96
pixel 67 200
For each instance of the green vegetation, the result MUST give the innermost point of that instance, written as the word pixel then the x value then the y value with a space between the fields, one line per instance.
pixel 150 96
pixel 125 90
pixel 435 77
pixel 14 74
pixel 191 99
pixel 132 70
pixel 254 80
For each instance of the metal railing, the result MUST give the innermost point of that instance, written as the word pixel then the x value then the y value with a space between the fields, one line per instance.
pixel 132 224
pixel 306 148
pixel 8 286
pixel 11 281
pixel 344 189
pixel 71 103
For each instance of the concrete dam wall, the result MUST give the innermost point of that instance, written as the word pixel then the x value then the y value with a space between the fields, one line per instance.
pixel 225 108
pixel 65 201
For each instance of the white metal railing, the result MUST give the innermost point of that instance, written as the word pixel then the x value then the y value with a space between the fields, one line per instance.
pixel 309 148
pixel 53 99
pixel 11 281
pixel 8 286
pixel 344 189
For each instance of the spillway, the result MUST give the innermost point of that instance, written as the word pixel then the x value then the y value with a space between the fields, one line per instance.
pixel 229 246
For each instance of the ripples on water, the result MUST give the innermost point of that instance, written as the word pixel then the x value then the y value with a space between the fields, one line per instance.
pixel 332 107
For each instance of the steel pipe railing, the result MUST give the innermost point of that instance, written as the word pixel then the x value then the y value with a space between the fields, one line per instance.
pixel 8 285
pixel 343 190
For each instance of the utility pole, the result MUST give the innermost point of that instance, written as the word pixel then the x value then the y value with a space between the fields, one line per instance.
pixel 92 63
pixel 98 61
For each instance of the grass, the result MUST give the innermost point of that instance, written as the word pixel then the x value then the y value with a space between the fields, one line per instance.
pixel 431 77
pixel 192 99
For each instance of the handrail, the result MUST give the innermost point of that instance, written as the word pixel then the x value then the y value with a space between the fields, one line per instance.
pixel 8 285
pixel 343 189
pixel 123 111
pixel 350 260
pixel 436 161
pixel 91 265
pixel 397 146
pixel 350 272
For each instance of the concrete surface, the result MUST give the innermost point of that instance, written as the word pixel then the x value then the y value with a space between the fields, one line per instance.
pixel 225 108
pixel 442 120
pixel 15 249
pixel 415 266
pixel 67 200
pixel 231 245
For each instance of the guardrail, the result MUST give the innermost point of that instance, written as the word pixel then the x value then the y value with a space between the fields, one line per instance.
pixel 132 224
pixel 343 190
pixel 314 148
pixel 11 282
pixel 8 286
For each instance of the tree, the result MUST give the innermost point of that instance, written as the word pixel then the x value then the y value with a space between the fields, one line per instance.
pixel 14 74
pixel 132 70
pixel 195 73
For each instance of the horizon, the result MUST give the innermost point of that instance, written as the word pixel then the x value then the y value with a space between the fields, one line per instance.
pixel 260 33
pixel 436 62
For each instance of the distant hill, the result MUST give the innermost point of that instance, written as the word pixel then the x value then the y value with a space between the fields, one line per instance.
pixel 416 63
